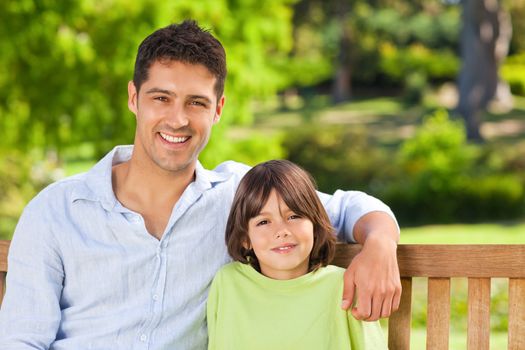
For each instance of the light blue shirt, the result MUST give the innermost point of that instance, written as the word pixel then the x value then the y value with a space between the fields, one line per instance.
pixel 85 274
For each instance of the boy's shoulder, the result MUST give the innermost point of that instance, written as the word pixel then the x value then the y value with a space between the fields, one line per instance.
pixel 230 270
pixel 331 271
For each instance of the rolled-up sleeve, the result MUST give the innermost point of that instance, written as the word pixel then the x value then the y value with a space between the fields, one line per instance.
pixel 345 208
pixel 30 312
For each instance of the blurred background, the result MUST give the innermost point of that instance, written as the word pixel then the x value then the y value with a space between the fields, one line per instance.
pixel 418 102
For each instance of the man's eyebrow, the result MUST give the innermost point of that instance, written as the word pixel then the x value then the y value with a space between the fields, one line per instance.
pixel 162 91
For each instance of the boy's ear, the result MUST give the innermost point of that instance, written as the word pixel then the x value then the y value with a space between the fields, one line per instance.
pixel 246 244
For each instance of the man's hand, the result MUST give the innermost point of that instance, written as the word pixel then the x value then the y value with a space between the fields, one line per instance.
pixel 371 282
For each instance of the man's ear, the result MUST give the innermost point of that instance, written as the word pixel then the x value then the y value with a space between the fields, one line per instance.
pixel 132 97
pixel 218 110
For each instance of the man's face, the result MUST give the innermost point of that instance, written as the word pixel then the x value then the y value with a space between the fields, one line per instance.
pixel 175 108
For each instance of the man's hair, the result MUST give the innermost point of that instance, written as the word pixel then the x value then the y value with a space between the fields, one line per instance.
pixel 185 42
pixel 297 189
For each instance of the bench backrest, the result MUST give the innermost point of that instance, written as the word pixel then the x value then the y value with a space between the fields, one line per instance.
pixel 440 263
pixel 4 248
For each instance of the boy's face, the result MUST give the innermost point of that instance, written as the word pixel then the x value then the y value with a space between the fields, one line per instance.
pixel 281 240
pixel 175 109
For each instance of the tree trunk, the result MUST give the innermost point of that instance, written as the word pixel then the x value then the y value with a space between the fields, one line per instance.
pixel 484 43
pixel 342 88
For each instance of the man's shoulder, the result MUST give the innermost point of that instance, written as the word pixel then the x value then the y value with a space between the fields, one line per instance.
pixel 232 167
pixel 65 188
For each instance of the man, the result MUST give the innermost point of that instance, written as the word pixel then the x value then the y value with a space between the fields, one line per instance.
pixel 121 257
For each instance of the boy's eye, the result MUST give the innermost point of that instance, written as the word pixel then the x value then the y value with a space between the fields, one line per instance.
pixel 261 222
pixel 294 216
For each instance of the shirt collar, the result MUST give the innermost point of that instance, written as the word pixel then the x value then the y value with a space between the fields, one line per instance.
pixel 98 179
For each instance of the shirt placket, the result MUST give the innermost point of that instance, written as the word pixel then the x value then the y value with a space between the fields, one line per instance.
pixel 156 295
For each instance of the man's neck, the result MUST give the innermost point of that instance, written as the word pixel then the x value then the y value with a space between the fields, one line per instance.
pixel 150 191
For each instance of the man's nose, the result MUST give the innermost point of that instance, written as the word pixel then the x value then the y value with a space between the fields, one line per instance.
pixel 177 116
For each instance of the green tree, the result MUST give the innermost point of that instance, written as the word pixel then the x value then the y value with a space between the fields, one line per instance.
pixel 65 65
pixel 485 39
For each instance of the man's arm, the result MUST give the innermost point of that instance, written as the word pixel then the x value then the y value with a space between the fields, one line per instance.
pixel 372 278
pixel 30 313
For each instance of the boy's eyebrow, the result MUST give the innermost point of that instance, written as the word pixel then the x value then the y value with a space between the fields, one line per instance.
pixel 262 213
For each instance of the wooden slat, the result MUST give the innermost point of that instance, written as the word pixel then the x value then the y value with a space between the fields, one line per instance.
pixel 2 286
pixel 516 314
pixel 4 248
pixel 400 322
pixel 438 313
pixel 457 260
pixel 344 253
pixel 478 327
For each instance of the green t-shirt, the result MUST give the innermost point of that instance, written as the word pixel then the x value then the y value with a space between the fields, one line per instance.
pixel 249 311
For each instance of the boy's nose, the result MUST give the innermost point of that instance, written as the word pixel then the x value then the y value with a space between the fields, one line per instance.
pixel 282 234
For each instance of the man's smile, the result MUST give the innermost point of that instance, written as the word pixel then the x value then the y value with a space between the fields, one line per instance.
pixel 174 139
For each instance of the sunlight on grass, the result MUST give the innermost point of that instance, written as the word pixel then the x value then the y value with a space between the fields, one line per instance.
pixel 457 340
pixel 496 233
pixel 376 105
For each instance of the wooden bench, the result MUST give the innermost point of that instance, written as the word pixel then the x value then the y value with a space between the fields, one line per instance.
pixel 439 263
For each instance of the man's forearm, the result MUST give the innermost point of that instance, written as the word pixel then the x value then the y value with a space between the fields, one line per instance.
pixel 378 225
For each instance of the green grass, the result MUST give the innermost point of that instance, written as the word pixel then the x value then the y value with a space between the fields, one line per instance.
pixel 497 233
pixel 457 341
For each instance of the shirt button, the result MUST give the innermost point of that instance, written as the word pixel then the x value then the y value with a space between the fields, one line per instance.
pixel 143 337
pixel 155 297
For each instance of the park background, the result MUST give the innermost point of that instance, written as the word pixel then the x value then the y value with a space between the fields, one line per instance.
pixel 418 102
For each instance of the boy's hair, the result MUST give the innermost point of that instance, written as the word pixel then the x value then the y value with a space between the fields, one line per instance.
pixel 185 42
pixel 297 189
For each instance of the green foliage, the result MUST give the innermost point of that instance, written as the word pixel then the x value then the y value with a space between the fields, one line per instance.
pixel 440 181
pixel 513 71
pixel 65 65
pixel 397 63
pixel 255 149
pixel 438 152
pixel 434 29
pixel 406 47
pixel 434 176
pixel 336 156
pixel 23 175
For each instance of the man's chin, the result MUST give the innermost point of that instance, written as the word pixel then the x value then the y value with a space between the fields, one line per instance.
pixel 177 167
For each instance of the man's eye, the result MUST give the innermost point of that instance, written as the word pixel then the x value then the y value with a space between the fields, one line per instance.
pixel 161 98
pixel 197 103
